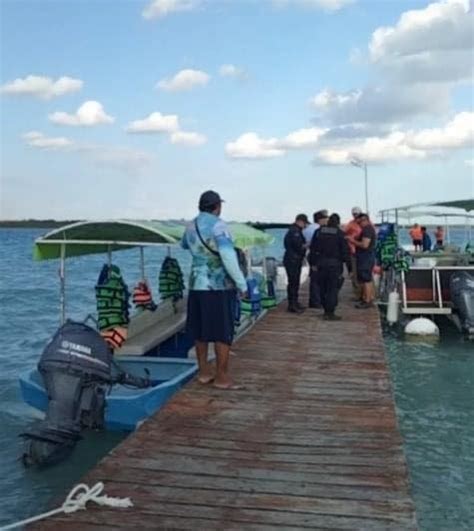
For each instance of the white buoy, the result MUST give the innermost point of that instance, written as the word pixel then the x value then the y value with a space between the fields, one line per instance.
pixel 393 307
pixel 422 327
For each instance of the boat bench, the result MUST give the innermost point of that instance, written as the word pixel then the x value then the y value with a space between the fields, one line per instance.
pixel 149 329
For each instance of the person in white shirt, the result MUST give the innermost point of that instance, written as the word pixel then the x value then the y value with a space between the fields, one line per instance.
pixel 309 231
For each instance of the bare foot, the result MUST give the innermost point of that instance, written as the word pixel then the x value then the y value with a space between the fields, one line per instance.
pixel 227 384
pixel 205 377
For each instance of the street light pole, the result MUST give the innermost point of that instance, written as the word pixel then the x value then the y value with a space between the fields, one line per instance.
pixel 359 163
pixel 366 188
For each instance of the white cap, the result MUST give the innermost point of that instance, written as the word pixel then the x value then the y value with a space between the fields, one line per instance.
pixel 356 211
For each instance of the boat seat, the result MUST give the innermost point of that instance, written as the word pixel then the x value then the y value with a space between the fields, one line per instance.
pixel 148 329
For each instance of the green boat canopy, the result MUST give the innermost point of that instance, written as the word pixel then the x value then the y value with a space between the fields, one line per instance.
pixel 95 237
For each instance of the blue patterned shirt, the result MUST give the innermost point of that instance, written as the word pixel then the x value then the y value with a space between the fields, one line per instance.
pixel 210 271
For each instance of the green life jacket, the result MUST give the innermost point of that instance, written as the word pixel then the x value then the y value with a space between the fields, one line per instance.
pixel 112 298
pixel 171 280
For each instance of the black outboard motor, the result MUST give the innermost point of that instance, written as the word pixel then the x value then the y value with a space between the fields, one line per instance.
pixel 462 297
pixel 76 369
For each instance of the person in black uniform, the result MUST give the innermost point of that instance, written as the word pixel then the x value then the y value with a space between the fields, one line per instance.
pixel 295 251
pixel 328 253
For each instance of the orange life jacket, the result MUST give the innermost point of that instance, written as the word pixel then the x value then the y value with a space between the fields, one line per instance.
pixel 115 337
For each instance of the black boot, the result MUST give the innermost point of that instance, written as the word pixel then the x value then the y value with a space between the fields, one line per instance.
pixel 331 317
pixel 294 308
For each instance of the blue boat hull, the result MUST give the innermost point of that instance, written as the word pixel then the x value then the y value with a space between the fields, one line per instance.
pixel 126 407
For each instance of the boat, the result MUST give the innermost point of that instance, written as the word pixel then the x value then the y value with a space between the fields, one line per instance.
pixel 126 406
pixel 81 382
pixel 439 282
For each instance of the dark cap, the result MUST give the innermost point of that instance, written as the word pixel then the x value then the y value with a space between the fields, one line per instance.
pixel 209 199
pixel 302 217
pixel 322 214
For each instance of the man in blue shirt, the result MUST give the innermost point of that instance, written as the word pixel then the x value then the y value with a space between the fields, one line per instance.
pixel 426 242
pixel 215 277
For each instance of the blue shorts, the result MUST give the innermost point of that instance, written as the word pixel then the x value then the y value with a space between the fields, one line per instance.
pixel 365 266
pixel 211 315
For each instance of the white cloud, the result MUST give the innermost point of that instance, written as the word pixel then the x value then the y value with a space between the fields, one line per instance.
pixel 327 99
pixel 251 146
pixel 162 8
pixel 155 123
pixel 42 87
pixel 188 138
pixel 39 140
pixel 386 104
pixel 117 157
pixel 89 113
pixel 415 63
pixel 121 158
pixel 184 80
pixel 431 44
pixel 302 138
pixel 390 147
pixel 398 145
pixel 169 124
pixel 326 5
pixel 457 133
pixel 230 70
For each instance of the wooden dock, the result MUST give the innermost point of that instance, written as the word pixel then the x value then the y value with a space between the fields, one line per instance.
pixel 312 443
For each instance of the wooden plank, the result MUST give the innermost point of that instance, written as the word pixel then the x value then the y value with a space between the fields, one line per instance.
pixel 311 443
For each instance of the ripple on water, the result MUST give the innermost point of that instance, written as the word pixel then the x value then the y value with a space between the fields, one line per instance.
pixel 434 399
pixel 433 388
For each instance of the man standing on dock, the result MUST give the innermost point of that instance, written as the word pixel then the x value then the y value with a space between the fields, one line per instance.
pixel 320 219
pixel 328 253
pixel 365 260
pixel 215 276
pixel 295 251
pixel 353 230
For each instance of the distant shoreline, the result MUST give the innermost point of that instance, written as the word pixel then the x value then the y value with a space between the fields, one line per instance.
pixel 34 223
pixel 54 224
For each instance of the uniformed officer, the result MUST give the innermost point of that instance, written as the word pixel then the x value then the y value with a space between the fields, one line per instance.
pixel 295 250
pixel 328 253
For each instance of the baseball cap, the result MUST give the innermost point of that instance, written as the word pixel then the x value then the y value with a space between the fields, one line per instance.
pixel 322 214
pixel 302 217
pixel 209 199
pixel 356 211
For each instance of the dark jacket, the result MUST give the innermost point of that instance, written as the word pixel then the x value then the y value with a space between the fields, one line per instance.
pixel 294 242
pixel 329 248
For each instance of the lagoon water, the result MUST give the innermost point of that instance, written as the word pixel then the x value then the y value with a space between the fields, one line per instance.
pixel 433 385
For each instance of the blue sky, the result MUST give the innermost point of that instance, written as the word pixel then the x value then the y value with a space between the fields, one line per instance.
pixel 309 84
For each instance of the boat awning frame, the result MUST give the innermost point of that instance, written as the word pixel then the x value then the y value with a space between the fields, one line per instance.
pixel 465 205
pixel 96 237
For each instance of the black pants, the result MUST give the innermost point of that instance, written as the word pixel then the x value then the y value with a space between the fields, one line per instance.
pixel 328 278
pixel 314 291
pixel 293 272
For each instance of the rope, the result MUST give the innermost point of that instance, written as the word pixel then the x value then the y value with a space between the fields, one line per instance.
pixel 75 501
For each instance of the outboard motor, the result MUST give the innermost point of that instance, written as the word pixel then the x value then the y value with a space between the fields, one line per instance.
pixel 76 369
pixel 271 266
pixel 462 297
